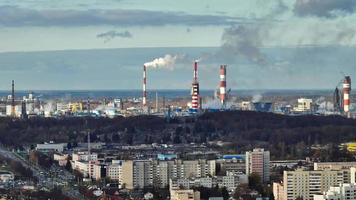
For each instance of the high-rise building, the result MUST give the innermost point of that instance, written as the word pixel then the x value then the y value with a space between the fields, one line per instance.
pixel 258 161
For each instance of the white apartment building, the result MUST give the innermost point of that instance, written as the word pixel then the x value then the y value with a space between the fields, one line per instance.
pixel 232 180
pixel 84 156
pixel 342 192
pixel 258 161
pixel 342 166
pixel 306 184
pixel 142 173
pixel 353 175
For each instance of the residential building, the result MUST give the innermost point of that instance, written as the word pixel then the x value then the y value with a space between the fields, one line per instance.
pixel 342 166
pixel 342 192
pixel 353 175
pixel 258 161
pixel 184 195
pixel 305 184
pixel 278 191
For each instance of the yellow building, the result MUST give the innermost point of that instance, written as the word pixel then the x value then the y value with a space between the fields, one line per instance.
pixel 76 107
pixel 351 147
pixel 185 195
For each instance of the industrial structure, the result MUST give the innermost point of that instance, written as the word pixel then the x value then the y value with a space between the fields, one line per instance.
pixel 144 95
pixel 336 100
pixel 195 89
pixel 13 113
pixel 346 95
pixel 222 85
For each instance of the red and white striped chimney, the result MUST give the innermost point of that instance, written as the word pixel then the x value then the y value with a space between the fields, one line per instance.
pixel 222 84
pixel 346 95
pixel 144 95
pixel 195 88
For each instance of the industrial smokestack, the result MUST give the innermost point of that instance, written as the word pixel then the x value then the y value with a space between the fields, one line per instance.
pixel 157 109
pixel 222 84
pixel 13 99
pixel 195 88
pixel 337 99
pixel 346 95
pixel 144 97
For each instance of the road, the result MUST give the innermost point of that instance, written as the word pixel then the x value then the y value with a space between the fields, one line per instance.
pixel 47 179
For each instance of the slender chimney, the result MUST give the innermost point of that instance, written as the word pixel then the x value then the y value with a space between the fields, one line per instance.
pixel 144 96
pixel 222 84
pixel 157 109
pixel 13 99
pixel 195 88
pixel 346 95
pixel 88 106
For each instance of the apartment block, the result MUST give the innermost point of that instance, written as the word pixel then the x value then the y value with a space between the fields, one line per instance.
pixel 342 192
pixel 258 161
pixel 306 184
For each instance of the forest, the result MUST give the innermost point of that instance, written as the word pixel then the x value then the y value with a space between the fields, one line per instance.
pixel 285 136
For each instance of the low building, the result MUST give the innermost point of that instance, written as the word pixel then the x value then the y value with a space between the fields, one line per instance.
pixel 62 159
pixel 184 195
pixel 6 176
pixel 232 180
pixel 48 147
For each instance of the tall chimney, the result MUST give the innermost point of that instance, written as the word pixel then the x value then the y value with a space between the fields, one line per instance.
pixel 195 88
pixel 13 99
pixel 346 95
pixel 144 98
pixel 157 109
pixel 222 84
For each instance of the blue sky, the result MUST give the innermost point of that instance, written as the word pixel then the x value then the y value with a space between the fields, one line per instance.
pixel 306 43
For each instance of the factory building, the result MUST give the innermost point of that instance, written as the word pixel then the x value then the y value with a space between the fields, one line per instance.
pixel 305 106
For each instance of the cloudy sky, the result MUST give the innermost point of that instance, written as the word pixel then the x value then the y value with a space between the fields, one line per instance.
pixel 102 44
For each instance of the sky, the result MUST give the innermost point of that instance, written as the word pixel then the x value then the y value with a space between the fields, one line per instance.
pixel 102 44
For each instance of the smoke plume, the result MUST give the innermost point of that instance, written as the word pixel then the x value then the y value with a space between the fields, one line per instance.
pixel 168 61
pixel 244 40
pixel 257 98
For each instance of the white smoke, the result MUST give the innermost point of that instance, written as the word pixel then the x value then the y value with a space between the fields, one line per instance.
pixel 215 104
pixel 256 98
pixel 168 61
pixel 50 106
